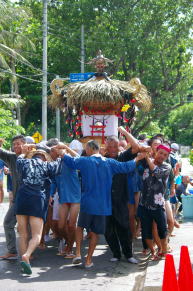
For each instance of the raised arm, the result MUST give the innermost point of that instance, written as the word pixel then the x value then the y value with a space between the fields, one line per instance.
pixel 150 163
pixel 6 156
pixel 61 146
pixel 130 139
pixel 159 172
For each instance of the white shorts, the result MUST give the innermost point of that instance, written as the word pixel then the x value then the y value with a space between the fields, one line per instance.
pixel 55 215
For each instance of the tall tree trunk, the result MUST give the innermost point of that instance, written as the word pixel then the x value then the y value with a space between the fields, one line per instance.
pixel 15 90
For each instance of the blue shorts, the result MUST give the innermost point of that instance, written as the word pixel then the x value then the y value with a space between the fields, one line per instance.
pixel 1 174
pixel 2 164
pixel 173 200
pixel 133 187
pixel 94 223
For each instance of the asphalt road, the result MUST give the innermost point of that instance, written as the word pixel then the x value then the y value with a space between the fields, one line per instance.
pixel 52 272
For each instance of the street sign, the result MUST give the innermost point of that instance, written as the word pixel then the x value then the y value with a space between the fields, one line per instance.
pixel 37 137
pixel 79 77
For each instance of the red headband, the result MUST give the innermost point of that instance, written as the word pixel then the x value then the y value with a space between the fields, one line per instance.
pixel 164 147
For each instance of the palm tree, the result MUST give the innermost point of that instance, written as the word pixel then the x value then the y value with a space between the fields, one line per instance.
pixel 13 21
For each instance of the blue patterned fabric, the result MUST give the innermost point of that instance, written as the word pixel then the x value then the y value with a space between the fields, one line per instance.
pixel 35 179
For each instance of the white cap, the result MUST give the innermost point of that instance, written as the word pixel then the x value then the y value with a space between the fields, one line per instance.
pixel 76 146
pixel 29 139
pixel 175 146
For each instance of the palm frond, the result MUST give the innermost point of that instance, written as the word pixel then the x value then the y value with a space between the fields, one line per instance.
pixel 3 63
pixel 11 100
pixel 11 52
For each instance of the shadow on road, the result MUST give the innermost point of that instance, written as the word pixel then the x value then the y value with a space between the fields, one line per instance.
pixel 48 267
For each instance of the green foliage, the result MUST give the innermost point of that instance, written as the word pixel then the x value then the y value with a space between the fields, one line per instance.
pixel 8 128
pixel 180 125
pixel 152 129
pixel 191 157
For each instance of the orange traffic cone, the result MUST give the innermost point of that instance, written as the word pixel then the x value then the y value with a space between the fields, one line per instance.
pixel 185 278
pixel 170 282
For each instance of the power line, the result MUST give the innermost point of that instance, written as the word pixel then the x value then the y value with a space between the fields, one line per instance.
pixel 27 64
pixel 20 76
pixel 15 57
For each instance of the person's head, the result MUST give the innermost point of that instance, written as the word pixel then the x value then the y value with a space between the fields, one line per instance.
pixel 92 147
pixel 112 146
pixel 167 142
pixel 29 139
pixel 50 143
pixel 76 146
pixel 154 143
pixel 174 147
pixel 162 154
pixel 160 136
pixel 17 143
pixel 142 137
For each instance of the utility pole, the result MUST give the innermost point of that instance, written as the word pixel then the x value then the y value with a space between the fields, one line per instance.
pixel 44 69
pixel 82 49
pixel 58 120
pixel 58 123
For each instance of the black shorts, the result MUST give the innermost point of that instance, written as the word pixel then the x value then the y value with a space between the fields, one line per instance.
pixel 147 216
pixel 94 223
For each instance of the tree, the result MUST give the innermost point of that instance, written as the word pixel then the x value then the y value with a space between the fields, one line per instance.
pixel 8 127
pixel 180 125
pixel 13 41
pixel 147 39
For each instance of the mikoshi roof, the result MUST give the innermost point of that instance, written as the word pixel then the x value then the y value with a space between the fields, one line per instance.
pixel 99 90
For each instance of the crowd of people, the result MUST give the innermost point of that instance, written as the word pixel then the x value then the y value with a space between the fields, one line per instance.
pixel 127 188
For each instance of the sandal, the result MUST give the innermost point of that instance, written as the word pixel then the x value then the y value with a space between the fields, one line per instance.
pixel 89 266
pixel 69 256
pixel 155 258
pixel 76 261
pixel 61 254
pixel 162 255
pixel 26 268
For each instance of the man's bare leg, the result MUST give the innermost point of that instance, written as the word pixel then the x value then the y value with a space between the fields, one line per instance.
pixel 169 216
pixel 164 243
pixel 79 238
pixel 62 222
pixel 150 246
pixel 71 225
pixel 132 221
pixel 92 245
pixel 156 236
pixel 138 226
pixel 1 192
